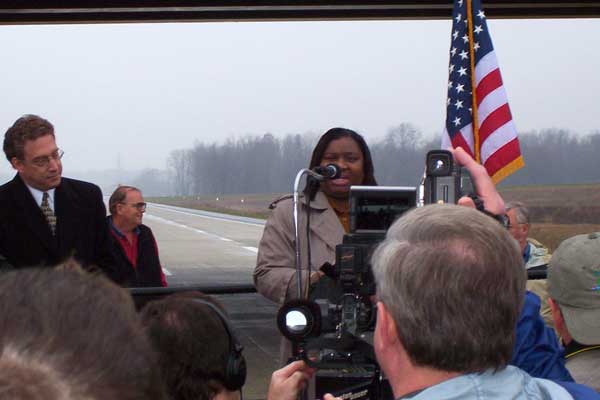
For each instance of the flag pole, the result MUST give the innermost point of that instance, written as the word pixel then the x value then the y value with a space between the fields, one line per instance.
pixel 473 83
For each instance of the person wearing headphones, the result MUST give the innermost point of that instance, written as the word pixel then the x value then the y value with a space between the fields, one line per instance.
pixel 199 355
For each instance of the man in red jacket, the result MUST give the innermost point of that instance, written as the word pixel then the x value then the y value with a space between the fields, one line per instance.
pixel 132 243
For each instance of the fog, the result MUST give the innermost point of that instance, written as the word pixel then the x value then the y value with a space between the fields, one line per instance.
pixel 122 97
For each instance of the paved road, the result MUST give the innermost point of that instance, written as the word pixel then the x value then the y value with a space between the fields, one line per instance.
pixel 198 247
pixel 203 248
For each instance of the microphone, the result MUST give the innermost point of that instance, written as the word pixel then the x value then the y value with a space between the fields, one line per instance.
pixel 330 171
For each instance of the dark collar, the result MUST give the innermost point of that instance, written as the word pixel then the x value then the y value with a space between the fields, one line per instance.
pixel 117 231
pixel 575 347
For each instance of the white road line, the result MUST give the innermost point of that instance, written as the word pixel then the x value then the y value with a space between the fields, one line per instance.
pixel 167 272
pixel 177 224
pixel 167 208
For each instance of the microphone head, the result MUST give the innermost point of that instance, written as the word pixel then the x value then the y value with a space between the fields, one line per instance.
pixel 330 171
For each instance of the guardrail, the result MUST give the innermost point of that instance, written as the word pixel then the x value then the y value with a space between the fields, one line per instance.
pixel 143 295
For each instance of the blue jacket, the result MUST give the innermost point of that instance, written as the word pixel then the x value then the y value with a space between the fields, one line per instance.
pixel 536 349
pixel 537 352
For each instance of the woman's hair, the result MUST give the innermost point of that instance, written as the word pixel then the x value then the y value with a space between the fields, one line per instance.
pixel 334 134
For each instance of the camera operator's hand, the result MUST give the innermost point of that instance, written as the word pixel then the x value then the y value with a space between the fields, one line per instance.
pixel 331 397
pixel 288 382
pixel 484 186
pixel 315 276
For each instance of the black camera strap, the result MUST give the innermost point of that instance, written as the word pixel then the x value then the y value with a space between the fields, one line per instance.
pixel 480 206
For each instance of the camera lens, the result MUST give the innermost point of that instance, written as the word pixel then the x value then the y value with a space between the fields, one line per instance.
pixel 314 356
pixel 439 163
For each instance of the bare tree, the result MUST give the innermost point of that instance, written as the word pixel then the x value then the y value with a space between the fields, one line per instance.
pixel 180 170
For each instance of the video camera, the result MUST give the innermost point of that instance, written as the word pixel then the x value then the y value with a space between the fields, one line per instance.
pixel 333 329
pixel 445 181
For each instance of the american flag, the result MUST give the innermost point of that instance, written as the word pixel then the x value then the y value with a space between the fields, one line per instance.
pixel 494 142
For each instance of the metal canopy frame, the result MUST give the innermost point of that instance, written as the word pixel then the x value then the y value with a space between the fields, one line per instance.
pixel 95 11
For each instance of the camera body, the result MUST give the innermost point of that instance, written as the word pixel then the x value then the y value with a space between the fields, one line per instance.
pixel 333 330
pixel 373 209
pixel 445 181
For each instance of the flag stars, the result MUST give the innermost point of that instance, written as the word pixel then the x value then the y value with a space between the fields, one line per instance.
pixel 458 18
pixel 454 35
pixel 451 68
pixel 448 101
pixel 453 51
pixel 460 3
pixel 464 55
pixel 478 29
pixel 481 14
pixel 476 46
pixel 460 88
pixel 450 85
pixel 465 38
pixel 458 104
pixel 456 121
pixel 462 71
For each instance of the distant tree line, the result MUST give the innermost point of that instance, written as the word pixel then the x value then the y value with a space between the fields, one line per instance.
pixel 558 156
pixel 267 164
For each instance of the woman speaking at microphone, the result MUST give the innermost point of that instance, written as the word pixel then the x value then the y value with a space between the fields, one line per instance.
pixel 275 273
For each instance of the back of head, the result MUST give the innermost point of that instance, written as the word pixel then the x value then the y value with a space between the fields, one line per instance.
pixel 72 335
pixel 193 344
pixel 452 279
pixel 574 283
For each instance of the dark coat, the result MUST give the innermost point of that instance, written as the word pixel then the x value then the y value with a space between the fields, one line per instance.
pixel 148 272
pixel 26 239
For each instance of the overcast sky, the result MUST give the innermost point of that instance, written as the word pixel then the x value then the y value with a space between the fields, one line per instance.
pixel 136 92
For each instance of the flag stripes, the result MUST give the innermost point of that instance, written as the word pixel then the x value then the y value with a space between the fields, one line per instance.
pixel 494 140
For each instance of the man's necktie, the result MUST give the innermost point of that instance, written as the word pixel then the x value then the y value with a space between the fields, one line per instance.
pixel 48 213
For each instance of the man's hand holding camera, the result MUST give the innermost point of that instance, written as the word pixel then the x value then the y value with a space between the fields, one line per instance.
pixel 484 186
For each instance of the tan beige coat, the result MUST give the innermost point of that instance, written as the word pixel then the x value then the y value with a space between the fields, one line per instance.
pixel 275 273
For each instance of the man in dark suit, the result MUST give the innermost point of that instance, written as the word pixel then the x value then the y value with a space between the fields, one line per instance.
pixel 45 218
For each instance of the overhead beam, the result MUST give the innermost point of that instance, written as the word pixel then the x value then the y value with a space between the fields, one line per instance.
pixel 96 11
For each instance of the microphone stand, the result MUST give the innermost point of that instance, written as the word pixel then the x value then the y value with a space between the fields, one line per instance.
pixel 299 176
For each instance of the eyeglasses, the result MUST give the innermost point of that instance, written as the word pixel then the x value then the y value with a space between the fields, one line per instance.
pixel 509 226
pixel 43 161
pixel 141 206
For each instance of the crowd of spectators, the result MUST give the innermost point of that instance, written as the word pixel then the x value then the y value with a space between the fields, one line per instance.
pixel 454 318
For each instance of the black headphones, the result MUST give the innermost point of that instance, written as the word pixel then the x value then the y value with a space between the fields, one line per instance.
pixel 235 370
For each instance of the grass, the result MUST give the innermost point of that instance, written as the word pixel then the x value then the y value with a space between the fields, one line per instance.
pixel 245 205
pixel 552 234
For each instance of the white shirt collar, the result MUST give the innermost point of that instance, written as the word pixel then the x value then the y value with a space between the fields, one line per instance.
pixel 38 194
